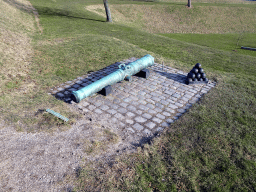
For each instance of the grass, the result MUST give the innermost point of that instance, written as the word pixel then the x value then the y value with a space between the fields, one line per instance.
pixel 174 18
pixel 210 148
pixel 226 42
pixel 100 143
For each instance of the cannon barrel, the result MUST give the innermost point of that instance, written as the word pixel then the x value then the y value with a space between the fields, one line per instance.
pixel 124 72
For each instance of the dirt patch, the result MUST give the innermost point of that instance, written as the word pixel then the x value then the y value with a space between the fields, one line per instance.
pixel 46 162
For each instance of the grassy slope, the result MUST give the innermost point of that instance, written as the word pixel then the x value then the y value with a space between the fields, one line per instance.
pixel 176 18
pixel 226 42
pixel 213 144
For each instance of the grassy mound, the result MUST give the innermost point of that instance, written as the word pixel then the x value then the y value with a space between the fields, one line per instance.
pixel 176 18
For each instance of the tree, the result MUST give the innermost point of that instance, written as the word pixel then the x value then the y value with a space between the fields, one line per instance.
pixel 107 11
pixel 189 3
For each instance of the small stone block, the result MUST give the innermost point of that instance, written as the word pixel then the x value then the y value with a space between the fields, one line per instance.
pixel 119 116
pixel 144 73
pixel 130 129
pixel 79 82
pixel 121 124
pixel 169 120
pixel 116 101
pixel 160 116
pixel 97 104
pixel 138 127
pixel 146 115
pixel 131 108
pixel 128 78
pixel 151 125
pixel 54 92
pixel 114 106
pixel 72 89
pixel 91 107
pixel 114 120
pixel 60 89
pixel 152 111
pixel 140 119
pixel 123 104
pixel 160 129
pixel 112 111
pixel 147 132
pixel 129 121
pixel 67 86
pixel 150 106
pixel 165 124
pixel 98 111
pixel 139 112
pixel 85 103
pixel 85 110
pixel 104 107
pixel 76 86
pixel 143 107
pixel 130 114
pixel 166 114
pixel 106 90
pixel 60 95
pixel 122 110
pixel 157 120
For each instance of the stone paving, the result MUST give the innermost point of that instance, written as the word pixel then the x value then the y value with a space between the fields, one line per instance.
pixel 142 107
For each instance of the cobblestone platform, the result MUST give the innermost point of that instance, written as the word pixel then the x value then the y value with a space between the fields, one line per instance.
pixel 142 107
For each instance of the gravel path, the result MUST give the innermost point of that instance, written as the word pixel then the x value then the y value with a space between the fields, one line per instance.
pixel 38 162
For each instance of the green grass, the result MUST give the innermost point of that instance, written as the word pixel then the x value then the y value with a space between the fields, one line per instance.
pixel 212 147
pixel 226 42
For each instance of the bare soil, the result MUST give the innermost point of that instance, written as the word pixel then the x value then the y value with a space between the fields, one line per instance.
pixel 45 162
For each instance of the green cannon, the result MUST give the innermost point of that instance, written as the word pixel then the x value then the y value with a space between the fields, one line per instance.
pixel 123 73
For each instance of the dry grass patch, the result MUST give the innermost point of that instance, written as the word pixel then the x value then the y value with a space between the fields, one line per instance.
pixel 17 16
pixel 100 141
pixel 15 46
pixel 17 53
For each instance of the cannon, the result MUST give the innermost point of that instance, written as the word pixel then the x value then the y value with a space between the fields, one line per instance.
pixel 124 72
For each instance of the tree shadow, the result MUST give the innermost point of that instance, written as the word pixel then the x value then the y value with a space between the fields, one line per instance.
pixel 48 11
pixel 20 6
pixel 61 13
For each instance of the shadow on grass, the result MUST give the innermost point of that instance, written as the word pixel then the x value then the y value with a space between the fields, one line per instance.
pixel 20 6
pixel 145 140
pixel 61 13
pixel 48 11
